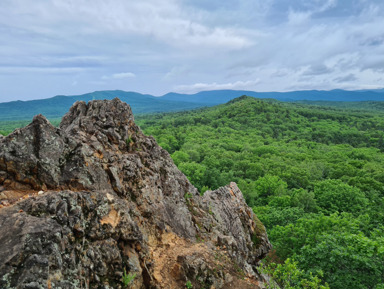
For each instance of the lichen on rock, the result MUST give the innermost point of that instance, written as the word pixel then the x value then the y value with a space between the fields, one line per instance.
pixel 95 198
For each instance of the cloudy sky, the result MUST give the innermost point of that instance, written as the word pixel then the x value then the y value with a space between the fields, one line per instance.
pixel 52 47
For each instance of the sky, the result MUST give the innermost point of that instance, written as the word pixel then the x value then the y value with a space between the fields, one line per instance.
pixel 70 47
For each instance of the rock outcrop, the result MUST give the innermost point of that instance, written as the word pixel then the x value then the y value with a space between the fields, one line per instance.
pixel 95 202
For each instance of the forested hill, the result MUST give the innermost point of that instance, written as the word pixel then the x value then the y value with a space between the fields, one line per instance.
pixel 314 176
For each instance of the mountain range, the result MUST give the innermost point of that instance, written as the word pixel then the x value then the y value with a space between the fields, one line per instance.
pixel 55 107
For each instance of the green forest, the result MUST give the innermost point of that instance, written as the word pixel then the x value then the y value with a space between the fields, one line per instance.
pixel 314 176
pixel 8 126
pixel 312 173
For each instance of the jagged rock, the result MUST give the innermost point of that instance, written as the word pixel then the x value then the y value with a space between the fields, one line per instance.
pixel 113 200
pixel 238 228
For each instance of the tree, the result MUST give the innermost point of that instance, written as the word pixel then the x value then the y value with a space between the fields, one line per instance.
pixel 336 196
pixel 348 260
pixel 269 186
pixel 289 276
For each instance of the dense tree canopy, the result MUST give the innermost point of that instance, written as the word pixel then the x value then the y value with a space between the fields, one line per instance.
pixel 314 176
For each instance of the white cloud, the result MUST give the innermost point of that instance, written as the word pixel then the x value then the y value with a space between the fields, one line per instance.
pixel 164 20
pixel 42 70
pixel 251 84
pixel 298 18
pixel 121 75
pixel 176 72
pixel 327 5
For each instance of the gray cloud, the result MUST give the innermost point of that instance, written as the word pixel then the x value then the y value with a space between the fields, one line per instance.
pixel 317 69
pixel 76 46
pixel 348 78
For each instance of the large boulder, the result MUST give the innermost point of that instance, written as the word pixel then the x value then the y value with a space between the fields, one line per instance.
pixel 95 202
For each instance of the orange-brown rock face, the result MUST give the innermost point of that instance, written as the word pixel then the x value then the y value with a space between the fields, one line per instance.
pixel 94 198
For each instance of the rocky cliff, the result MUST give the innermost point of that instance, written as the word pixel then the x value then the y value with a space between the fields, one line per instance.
pixel 97 204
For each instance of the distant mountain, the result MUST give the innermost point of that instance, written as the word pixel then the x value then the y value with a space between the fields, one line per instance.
pixel 55 107
pixel 222 96
pixel 211 97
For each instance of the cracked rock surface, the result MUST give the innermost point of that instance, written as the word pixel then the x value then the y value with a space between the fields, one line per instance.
pixel 94 198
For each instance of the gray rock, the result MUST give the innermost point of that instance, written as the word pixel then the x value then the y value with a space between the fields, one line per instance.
pixel 111 198
pixel 236 226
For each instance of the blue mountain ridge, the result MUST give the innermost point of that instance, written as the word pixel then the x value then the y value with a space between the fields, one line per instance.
pixel 57 106
pixel 221 96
